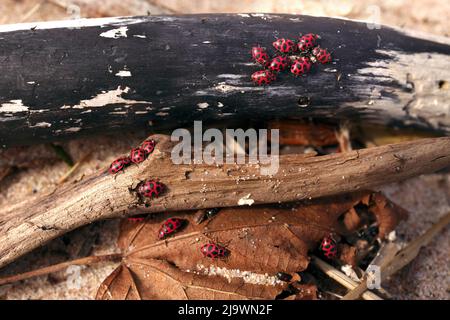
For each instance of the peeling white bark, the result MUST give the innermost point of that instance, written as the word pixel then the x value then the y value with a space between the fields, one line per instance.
pixel 105 98
pixel 70 24
pixel 427 101
pixel 115 33
pixel 246 200
pixel 41 125
pixel 203 105
pixel 123 73
pixel 13 106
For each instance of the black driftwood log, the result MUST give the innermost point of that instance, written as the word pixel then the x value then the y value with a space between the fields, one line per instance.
pixel 61 79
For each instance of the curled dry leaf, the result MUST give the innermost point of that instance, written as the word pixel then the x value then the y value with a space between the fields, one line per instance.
pixel 348 254
pixel 388 214
pixel 352 221
pixel 261 241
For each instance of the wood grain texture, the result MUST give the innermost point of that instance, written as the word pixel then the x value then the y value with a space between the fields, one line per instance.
pixel 64 79
pixel 27 225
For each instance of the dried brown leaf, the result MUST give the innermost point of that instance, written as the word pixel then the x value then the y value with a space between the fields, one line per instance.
pixel 352 221
pixel 348 254
pixel 388 214
pixel 119 285
pixel 262 241
pixel 151 279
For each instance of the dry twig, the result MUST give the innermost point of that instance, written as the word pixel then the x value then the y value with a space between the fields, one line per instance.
pixel 27 225
pixel 396 262
pixel 341 278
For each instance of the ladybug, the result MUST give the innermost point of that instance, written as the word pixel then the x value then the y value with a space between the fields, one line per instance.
pixel 285 45
pixel 119 164
pixel 150 188
pixel 212 250
pixel 321 55
pixel 137 155
pixel 170 226
pixel 260 56
pixel 263 77
pixel 148 146
pixel 279 63
pixel 329 247
pixel 307 42
pixel 137 218
pixel 301 66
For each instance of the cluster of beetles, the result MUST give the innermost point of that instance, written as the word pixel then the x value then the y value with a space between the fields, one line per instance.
pixel 213 250
pixel 150 188
pixel 210 249
pixel 296 56
pixel 137 155
pixel 153 188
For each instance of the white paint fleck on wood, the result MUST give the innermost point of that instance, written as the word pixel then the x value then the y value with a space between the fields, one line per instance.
pixel 13 106
pixel 281 91
pixel 115 33
pixel 39 110
pixel 70 24
pixel 123 73
pixel 41 125
pixel 224 87
pixel 246 200
pixel 203 105
pixel 262 16
pixel 107 97
pixel 248 64
pixel 231 76
pixel 73 129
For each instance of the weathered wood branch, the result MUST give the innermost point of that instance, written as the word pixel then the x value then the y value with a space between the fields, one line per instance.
pixel 62 79
pixel 27 225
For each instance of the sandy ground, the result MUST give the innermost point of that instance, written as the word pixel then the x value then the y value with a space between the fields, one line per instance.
pixel 426 197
